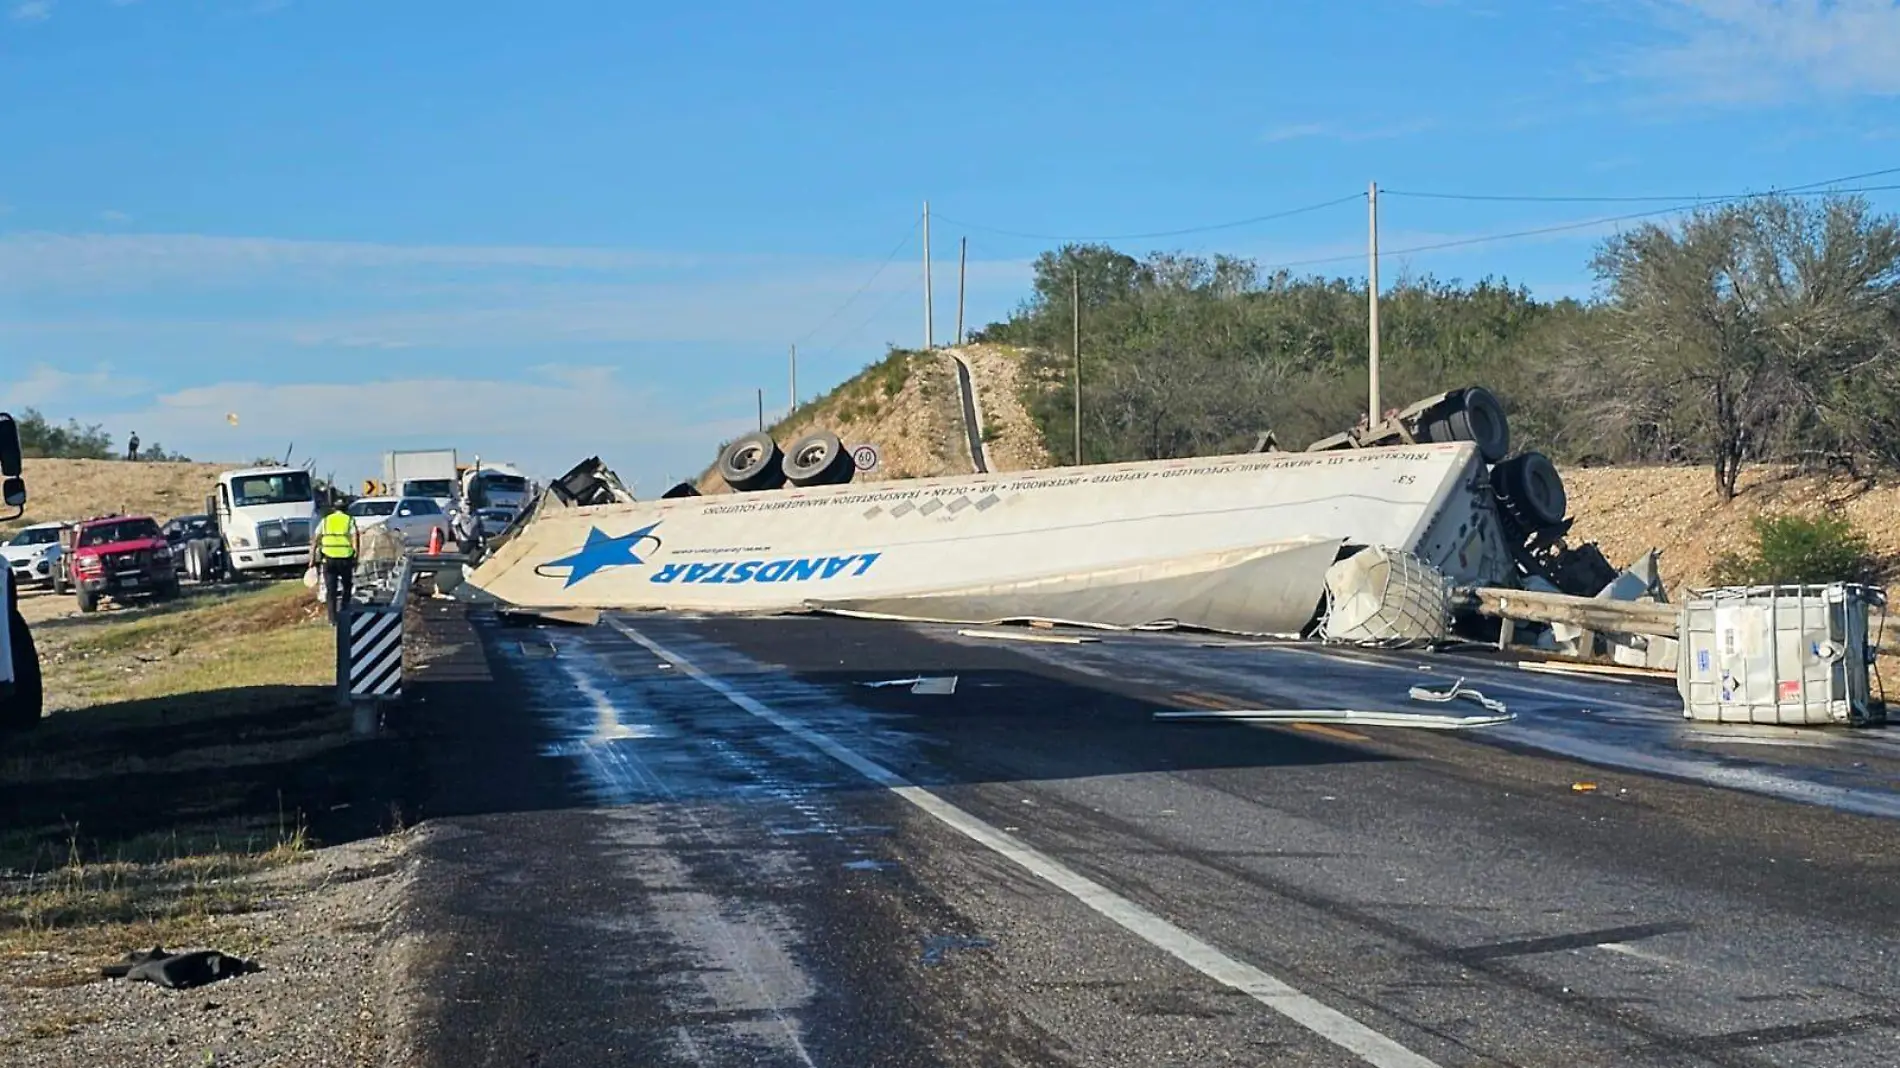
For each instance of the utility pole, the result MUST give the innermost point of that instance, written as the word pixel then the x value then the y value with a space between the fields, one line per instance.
pixel 794 405
pixel 1075 342
pixel 761 409
pixel 1372 305
pixel 963 253
pixel 930 337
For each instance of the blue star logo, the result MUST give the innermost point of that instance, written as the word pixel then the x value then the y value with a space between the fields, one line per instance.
pixel 602 551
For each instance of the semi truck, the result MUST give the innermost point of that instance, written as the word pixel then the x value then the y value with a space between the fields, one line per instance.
pixel 428 473
pixel 495 486
pixel 20 690
pixel 265 517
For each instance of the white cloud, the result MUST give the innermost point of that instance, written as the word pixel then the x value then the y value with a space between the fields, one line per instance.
pixel 113 215
pixel 546 422
pixel 1757 51
pixel 146 259
pixel 31 11
pixel 43 387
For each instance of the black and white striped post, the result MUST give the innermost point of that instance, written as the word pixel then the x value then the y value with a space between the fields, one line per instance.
pixel 369 660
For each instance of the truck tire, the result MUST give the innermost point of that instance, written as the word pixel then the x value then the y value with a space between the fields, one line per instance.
pixel 22 710
pixel 60 586
pixel 1529 487
pixel 88 602
pixel 1477 417
pixel 195 561
pixel 819 459
pixel 752 463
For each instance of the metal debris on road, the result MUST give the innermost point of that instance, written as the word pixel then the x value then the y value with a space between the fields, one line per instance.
pixel 1457 689
pixel 1016 636
pixel 928 685
pixel 178 971
pixel 1419 720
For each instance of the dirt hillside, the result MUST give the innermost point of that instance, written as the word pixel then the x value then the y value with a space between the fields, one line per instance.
pixel 75 489
pixel 1627 510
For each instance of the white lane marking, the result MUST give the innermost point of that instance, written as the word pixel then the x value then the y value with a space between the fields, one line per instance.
pixel 1326 1022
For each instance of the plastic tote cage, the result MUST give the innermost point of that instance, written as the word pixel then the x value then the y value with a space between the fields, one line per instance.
pixel 1787 655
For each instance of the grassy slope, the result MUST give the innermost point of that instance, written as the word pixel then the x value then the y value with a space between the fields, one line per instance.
pixel 75 489
pixel 135 808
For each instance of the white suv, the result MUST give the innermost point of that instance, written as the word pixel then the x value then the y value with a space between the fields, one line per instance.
pixel 411 518
pixel 33 554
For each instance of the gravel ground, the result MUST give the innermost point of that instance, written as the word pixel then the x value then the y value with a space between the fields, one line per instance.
pixel 319 998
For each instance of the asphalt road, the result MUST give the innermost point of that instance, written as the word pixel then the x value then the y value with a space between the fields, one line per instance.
pixel 663 841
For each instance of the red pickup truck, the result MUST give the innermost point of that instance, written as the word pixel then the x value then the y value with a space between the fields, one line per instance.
pixel 120 557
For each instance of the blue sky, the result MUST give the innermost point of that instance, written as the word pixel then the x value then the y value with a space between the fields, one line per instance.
pixel 541 231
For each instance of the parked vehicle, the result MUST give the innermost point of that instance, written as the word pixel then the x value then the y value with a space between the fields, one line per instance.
pixel 411 518
pixel 265 516
pixel 495 485
pixel 120 557
pixel 33 555
pixel 496 520
pixel 197 550
pixel 428 473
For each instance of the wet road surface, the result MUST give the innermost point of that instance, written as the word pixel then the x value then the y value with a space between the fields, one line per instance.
pixel 666 841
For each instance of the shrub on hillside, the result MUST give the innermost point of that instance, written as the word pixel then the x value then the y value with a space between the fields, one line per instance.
pixel 39 438
pixel 1792 549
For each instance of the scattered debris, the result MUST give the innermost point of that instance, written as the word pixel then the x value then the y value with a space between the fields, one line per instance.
pixel 572 617
pixel 938 946
pixel 178 971
pixel 929 685
pixel 1583 787
pixel 1457 690
pixel 1614 672
pixel 1018 636
pixel 1420 720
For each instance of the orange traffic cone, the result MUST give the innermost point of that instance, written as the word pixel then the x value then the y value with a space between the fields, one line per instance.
pixel 435 541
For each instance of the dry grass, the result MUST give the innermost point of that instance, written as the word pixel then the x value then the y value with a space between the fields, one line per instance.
pixel 75 489
pixel 906 406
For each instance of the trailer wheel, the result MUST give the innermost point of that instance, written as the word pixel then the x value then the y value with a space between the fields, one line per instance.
pixel 22 710
pixel 819 459
pixel 1530 488
pixel 752 463
pixel 1478 418
pixel 194 561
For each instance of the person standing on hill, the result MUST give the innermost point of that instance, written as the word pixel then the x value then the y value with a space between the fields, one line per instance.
pixel 132 447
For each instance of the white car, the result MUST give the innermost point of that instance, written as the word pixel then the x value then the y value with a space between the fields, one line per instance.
pixel 33 554
pixel 412 518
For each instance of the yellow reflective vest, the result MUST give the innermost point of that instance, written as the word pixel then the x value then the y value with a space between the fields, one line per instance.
pixel 335 536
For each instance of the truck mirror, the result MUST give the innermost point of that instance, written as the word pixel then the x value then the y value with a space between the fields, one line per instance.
pixel 10 452
pixel 13 491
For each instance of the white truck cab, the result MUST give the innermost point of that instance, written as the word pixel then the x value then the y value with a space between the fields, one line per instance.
pixel 266 515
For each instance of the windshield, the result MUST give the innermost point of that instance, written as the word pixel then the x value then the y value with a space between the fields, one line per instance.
pixel 365 508
pixel 429 487
pixel 123 530
pixel 503 483
pixel 42 536
pixel 285 487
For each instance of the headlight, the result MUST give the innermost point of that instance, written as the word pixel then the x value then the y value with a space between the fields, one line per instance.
pixel 240 541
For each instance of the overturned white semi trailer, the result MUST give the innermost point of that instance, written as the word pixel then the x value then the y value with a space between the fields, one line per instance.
pixel 1236 543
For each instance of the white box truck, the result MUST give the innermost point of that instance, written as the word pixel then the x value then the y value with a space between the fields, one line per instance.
pixel 428 473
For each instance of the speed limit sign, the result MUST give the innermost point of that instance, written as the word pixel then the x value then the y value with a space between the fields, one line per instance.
pixel 865 456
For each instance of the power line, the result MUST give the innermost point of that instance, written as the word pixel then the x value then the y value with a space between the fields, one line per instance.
pixel 1691 197
pixel 1799 191
pixel 868 282
pixel 1158 233
pixel 909 290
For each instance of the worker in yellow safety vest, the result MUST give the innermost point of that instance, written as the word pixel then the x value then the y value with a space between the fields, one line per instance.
pixel 334 551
